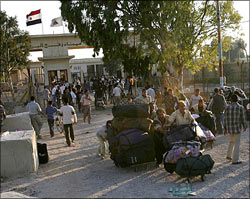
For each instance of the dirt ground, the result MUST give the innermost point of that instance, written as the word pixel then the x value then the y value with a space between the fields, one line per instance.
pixel 77 172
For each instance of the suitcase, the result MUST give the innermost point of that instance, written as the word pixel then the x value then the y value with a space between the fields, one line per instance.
pixel 43 155
pixel 194 166
pixel 131 110
pixel 180 150
pixel 133 147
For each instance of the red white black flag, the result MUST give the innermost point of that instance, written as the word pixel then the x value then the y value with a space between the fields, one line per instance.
pixel 33 18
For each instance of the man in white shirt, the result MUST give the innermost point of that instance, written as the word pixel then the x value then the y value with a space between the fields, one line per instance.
pixel 151 93
pixel 53 93
pixel 62 88
pixel 194 99
pixel 181 116
pixel 68 118
pixel 86 106
pixel 117 95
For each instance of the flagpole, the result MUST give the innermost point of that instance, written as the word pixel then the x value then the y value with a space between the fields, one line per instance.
pixel 42 21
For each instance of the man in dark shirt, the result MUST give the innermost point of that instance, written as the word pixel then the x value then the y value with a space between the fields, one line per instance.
pixel 50 110
pixel 218 107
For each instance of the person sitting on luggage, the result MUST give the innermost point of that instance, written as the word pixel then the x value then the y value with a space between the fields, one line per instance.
pixel 181 116
pixel 161 125
pixel 102 137
pixel 144 98
pixel 199 108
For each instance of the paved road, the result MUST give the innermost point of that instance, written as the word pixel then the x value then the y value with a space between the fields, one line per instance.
pixel 76 172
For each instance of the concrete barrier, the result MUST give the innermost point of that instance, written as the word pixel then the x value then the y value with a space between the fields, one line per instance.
pixel 18 153
pixel 17 122
pixel 13 194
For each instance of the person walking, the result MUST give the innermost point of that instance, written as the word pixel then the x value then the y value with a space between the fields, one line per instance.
pixel 117 95
pixel 50 110
pixel 46 96
pixel 86 106
pixel 218 106
pixel 34 112
pixel 234 121
pixel 69 118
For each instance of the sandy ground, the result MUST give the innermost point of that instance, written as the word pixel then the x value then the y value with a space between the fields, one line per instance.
pixel 76 172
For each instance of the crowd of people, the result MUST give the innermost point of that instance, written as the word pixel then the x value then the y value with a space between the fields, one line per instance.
pixel 166 109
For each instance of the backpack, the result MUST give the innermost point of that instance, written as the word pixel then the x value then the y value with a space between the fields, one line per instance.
pixel 207 119
pixel 193 166
pixel 42 151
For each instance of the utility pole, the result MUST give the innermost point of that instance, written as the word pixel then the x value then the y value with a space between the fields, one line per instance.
pixel 219 44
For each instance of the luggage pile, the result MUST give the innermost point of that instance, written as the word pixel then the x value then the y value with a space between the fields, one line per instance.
pixel 130 142
pixel 183 156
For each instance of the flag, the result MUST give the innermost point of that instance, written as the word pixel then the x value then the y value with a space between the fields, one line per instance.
pixel 56 22
pixel 33 18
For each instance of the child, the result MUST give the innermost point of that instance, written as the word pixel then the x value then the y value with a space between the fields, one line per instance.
pixel 102 137
pixel 50 110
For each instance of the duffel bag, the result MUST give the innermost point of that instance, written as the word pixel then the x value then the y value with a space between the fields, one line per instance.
pixel 131 110
pixel 42 151
pixel 193 166
pixel 207 119
pixel 133 137
pixel 134 155
pixel 121 124
pixel 180 133
pixel 182 149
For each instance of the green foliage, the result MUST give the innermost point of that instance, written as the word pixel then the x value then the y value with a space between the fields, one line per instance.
pixel 172 34
pixel 14 44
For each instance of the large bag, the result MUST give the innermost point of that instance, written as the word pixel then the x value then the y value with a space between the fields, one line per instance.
pixel 42 151
pixel 207 119
pixel 131 110
pixel 120 124
pixel 193 166
pixel 182 149
pixel 180 133
pixel 209 135
pixel 133 147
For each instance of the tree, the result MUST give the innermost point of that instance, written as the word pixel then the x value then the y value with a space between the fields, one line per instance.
pixel 237 50
pixel 15 45
pixel 172 34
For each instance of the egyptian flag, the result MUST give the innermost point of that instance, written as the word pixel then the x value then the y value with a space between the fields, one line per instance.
pixel 33 18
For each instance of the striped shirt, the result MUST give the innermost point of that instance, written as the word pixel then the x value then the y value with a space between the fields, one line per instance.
pixel 234 118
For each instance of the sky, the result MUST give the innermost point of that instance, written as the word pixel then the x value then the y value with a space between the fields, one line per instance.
pixel 51 9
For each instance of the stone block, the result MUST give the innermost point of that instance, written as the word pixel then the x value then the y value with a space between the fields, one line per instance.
pixel 17 122
pixel 18 153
